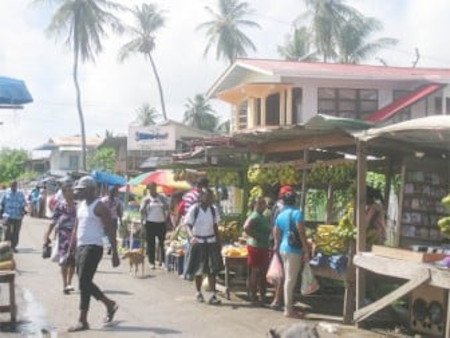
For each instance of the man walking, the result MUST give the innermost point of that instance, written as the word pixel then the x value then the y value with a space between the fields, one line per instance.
pixel 13 209
pixel 93 222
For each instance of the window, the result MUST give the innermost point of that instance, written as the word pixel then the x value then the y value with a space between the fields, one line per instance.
pixel 347 102
pixel 438 105
pixel 404 114
pixel 297 96
pixel 73 162
pixel 273 110
pixel 242 115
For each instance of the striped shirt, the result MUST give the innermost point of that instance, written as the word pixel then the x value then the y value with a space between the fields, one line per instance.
pixel 190 199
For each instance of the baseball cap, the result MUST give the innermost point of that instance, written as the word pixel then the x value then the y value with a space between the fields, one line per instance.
pixel 85 182
pixel 284 190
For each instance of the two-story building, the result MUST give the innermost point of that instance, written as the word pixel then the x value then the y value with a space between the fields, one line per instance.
pixel 267 94
pixel 65 153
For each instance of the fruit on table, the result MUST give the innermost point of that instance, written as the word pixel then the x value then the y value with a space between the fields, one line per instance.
pixel 444 225
pixel 446 201
pixel 229 231
pixel 328 241
pixel 232 251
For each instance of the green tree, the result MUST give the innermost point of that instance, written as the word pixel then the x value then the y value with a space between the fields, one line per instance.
pixel 199 114
pixel 224 127
pixel 298 46
pixel 12 163
pixel 83 23
pixel 327 18
pixel 148 20
pixel 225 29
pixel 146 115
pixel 103 159
pixel 353 43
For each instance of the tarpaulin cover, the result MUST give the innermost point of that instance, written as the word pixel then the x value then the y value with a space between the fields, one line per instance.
pixel 13 92
pixel 107 178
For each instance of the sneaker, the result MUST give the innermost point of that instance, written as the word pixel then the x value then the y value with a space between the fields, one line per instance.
pixel 214 300
pixel 70 288
pixel 200 298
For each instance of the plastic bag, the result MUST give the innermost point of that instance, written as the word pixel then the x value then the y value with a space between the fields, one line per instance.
pixel 309 282
pixel 275 273
pixel 55 254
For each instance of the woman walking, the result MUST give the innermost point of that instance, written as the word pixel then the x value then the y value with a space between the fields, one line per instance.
pixel 154 210
pixel 258 228
pixel 63 219
pixel 290 243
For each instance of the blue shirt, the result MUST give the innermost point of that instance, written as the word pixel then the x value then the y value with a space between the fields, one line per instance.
pixel 288 215
pixel 13 204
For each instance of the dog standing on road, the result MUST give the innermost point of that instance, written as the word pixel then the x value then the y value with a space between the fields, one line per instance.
pixel 135 257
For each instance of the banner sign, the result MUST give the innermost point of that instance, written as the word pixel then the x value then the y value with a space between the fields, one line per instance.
pixel 151 138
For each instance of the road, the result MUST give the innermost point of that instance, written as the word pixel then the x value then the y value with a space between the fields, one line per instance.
pixel 157 304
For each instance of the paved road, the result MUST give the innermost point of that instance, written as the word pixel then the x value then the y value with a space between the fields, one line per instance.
pixel 158 304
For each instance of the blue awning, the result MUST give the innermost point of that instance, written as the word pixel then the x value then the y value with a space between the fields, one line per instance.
pixel 107 178
pixel 13 92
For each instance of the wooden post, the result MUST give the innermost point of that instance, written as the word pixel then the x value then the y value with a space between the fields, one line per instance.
pixel 330 201
pixel 289 107
pixel 304 185
pixel 282 107
pixel 251 113
pixel 387 188
pixel 263 112
pixel 361 152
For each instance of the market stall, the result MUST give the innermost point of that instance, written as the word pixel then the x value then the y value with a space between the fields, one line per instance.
pixel 421 149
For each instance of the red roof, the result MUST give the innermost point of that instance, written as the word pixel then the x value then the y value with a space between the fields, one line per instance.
pixel 391 109
pixel 331 70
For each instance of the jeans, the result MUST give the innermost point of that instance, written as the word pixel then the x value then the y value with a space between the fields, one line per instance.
pixel 292 264
pixel 87 258
pixel 153 230
pixel 12 231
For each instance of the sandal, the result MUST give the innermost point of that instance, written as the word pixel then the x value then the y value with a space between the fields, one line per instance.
pixel 110 314
pixel 200 298
pixel 78 327
pixel 214 301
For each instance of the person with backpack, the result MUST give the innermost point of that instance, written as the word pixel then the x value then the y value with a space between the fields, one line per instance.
pixel 291 245
pixel 204 254
pixel 154 210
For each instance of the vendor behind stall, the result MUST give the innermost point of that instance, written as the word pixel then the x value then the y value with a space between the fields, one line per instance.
pixel 258 228
pixel 375 216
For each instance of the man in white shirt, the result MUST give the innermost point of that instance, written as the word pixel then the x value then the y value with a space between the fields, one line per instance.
pixel 155 211
pixel 204 254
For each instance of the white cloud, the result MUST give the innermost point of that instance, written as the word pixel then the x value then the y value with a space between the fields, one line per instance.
pixel 112 91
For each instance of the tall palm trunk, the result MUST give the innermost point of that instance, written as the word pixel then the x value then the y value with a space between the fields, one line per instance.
pixel 158 81
pixel 79 108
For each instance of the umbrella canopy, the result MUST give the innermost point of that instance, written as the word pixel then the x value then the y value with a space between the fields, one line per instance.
pixel 13 92
pixel 163 178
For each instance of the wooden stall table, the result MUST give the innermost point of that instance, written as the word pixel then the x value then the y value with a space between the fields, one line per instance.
pixel 418 274
pixel 9 278
pixel 236 264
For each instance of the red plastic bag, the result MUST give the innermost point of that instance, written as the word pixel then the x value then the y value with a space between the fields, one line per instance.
pixel 275 273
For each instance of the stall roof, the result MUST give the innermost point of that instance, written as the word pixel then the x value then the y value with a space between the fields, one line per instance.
pixel 427 132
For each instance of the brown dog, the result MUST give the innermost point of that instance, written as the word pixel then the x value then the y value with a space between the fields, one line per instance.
pixel 135 257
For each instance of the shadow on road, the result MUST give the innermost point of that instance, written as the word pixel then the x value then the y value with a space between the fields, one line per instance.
pixel 130 328
pixel 118 292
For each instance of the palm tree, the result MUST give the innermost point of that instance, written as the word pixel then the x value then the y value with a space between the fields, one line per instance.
pixel 327 18
pixel 83 23
pixel 298 46
pixel 224 127
pixel 352 41
pixel 225 29
pixel 148 20
pixel 146 115
pixel 199 114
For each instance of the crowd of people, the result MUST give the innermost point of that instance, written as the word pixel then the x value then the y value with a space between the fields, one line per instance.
pixel 82 219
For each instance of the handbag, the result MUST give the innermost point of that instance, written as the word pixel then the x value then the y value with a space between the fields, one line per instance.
pixel 46 251
pixel 294 236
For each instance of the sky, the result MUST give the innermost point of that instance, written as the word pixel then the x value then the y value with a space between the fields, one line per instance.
pixel 111 91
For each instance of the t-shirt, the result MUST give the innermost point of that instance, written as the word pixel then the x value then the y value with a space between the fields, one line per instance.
pixel 262 229
pixel 155 209
pixel 203 225
pixel 288 215
pixel 13 204
pixel 190 199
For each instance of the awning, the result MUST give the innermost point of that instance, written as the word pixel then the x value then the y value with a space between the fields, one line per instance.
pixel 13 92
pixel 404 102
